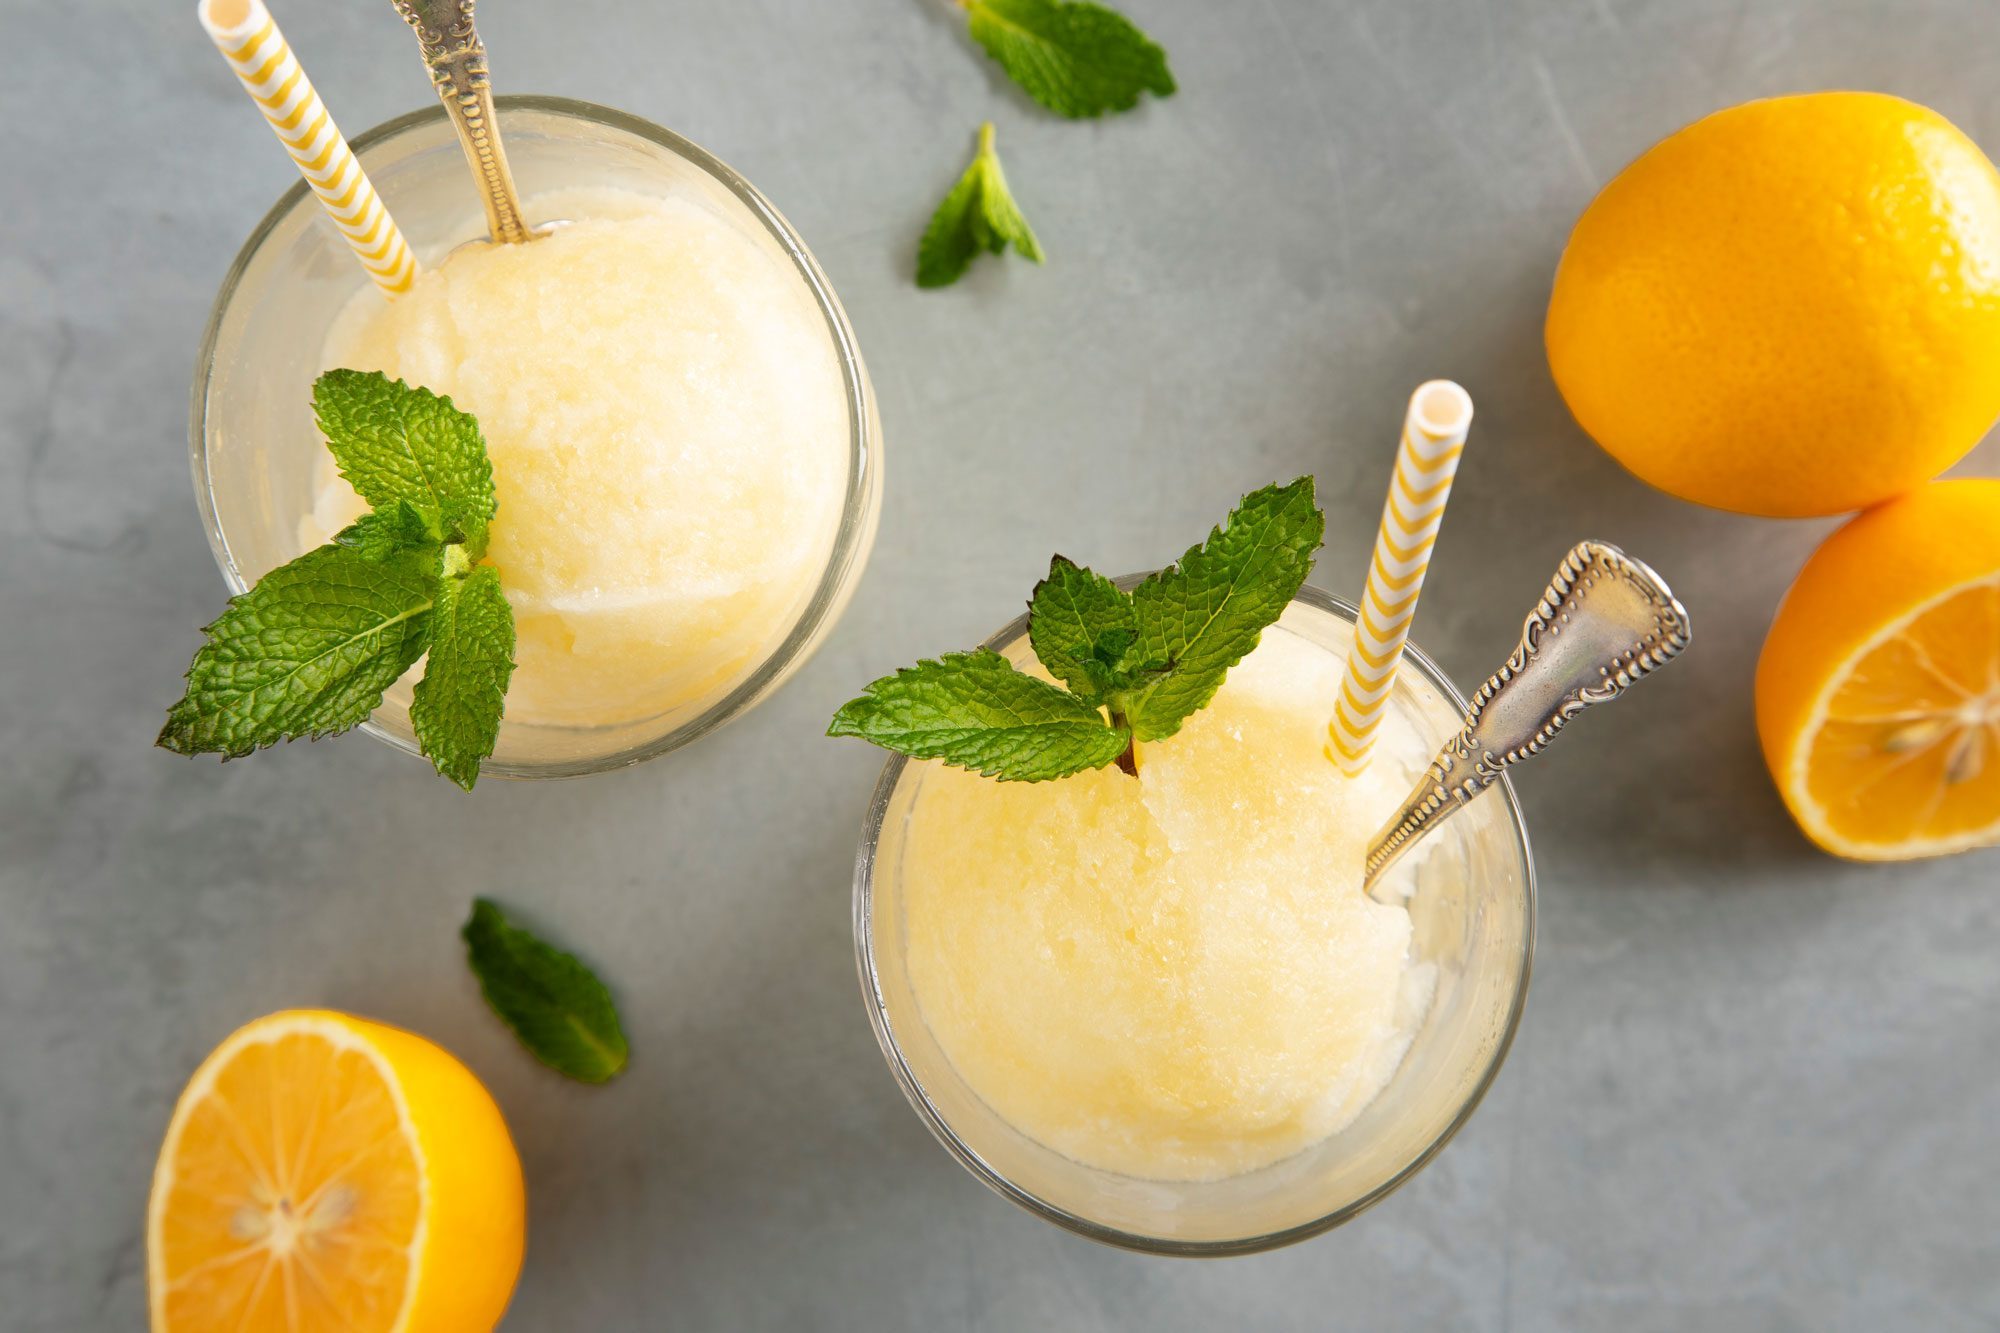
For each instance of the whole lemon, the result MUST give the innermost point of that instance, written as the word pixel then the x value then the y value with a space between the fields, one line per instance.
pixel 1791 307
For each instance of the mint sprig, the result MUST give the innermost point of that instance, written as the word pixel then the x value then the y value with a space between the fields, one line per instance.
pixel 1136 664
pixel 978 215
pixel 1076 58
pixel 310 649
pixel 556 1005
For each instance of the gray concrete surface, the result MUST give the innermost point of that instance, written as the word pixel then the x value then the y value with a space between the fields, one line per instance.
pixel 1756 1089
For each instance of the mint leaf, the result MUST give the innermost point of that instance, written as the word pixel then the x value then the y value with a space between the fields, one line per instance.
pixel 395 443
pixel 1206 613
pixel 307 652
pixel 1076 58
pixel 391 532
pixel 1069 616
pixel 974 710
pixel 557 1007
pixel 457 706
pixel 978 215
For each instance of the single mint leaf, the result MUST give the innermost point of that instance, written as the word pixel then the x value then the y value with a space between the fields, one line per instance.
pixel 557 1007
pixel 1205 614
pixel 401 527
pixel 396 443
pixel 307 652
pixel 457 706
pixel 1076 58
pixel 976 711
pixel 1071 612
pixel 978 215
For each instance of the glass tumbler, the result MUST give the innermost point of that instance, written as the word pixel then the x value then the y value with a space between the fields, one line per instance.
pixel 257 453
pixel 1473 913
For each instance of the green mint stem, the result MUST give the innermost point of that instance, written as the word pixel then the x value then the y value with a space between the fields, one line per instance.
pixel 1128 758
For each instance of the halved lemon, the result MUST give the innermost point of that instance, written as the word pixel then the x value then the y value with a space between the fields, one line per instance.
pixel 1878 692
pixel 323 1172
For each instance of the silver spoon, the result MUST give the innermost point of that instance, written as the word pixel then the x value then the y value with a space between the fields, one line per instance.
pixel 457 61
pixel 1605 622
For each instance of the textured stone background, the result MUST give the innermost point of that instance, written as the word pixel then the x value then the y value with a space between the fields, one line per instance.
pixel 1755 1089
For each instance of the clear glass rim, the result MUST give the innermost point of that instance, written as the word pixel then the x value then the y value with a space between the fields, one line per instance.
pixel 913 1089
pixel 864 463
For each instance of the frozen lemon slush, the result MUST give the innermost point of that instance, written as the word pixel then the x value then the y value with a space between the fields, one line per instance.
pixel 669 434
pixel 1176 977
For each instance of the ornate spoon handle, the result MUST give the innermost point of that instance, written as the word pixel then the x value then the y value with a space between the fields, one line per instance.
pixel 1605 622
pixel 457 61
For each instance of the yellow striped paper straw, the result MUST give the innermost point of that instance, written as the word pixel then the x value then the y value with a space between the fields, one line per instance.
pixel 1427 459
pixel 250 41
